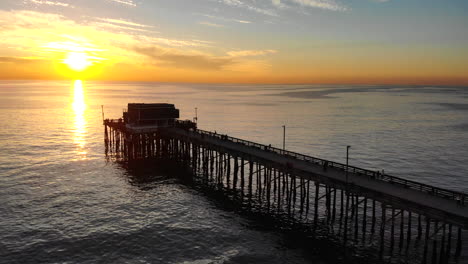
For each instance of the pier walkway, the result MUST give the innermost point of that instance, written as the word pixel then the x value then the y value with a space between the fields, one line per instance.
pixel 436 202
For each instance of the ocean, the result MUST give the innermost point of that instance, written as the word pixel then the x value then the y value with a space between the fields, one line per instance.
pixel 63 201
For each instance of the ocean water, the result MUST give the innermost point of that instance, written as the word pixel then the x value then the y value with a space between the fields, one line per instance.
pixel 63 201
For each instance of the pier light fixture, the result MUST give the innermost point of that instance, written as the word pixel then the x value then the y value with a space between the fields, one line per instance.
pixel 347 162
pixel 284 137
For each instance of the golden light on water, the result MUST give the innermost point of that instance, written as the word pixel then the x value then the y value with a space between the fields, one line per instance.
pixel 79 107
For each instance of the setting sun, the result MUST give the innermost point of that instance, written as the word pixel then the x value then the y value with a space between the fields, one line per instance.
pixel 77 61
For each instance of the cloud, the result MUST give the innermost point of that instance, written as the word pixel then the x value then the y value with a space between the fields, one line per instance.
pixel 125 2
pixel 246 53
pixel 51 36
pixel 50 3
pixel 240 4
pixel 210 24
pixel 34 45
pixel 322 4
pixel 279 4
pixel 181 60
pixel 227 19
pixel 114 26
pixel 16 60
pixel 174 42
pixel 123 22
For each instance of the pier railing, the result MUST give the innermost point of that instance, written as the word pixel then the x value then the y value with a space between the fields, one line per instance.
pixel 460 197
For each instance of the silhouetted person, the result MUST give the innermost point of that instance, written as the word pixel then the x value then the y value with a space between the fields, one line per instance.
pixel 325 165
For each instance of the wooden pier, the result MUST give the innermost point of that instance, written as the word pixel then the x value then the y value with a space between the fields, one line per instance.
pixel 402 219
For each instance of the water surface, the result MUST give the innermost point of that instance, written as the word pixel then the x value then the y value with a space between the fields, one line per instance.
pixel 62 201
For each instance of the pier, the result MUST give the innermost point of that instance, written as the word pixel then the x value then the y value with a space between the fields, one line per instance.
pixel 398 217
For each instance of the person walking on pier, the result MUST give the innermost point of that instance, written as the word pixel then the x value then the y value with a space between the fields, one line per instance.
pixel 325 165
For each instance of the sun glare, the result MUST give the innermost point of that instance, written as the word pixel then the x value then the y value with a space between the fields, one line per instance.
pixel 77 61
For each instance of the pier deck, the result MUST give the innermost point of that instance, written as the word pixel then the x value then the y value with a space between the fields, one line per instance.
pixel 423 202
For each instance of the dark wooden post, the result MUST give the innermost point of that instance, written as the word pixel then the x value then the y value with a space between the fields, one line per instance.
pixel 301 196
pixel 307 197
pixel 373 218
pixel 236 171
pixel 334 207
pixel 402 227
pixel 392 231
pixel 434 244
pixel 327 204
pixel 279 191
pixel 408 234
pixel 426 240
pixel 293 179
pixel 449 242
pixel 342 204
pixel 364 221
pixel 459 243
pixel 356 218
pixel 382 232
pixel 251 165
pixel 228 171
pixel 274 185
pixel 419 227
pixel 345 231
pixel 317 192
pixel 442 245
pixel 268 186
pixel 242 175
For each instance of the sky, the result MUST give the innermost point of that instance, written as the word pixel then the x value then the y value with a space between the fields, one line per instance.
pixel 236 41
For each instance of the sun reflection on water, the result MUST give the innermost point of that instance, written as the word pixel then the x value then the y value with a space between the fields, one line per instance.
pixel 79 107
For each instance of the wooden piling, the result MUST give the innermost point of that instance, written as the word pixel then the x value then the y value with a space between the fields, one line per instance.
pixel 382 232
pixel 408 234
pixel 459 243
pixel 317 192
pixel 426 241
pixel 434 244
pixel 392 231
pixel 402 229
pixel 373 218
pixel 364 220
pixel 345 229
pixel 251 165
pixel 356 218
pixel 235 176
pixel 449 243
pixel 442 245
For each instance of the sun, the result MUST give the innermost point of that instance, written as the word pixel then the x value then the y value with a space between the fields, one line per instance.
pixel 77 61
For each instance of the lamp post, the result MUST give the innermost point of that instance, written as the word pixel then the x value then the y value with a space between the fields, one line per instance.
pixel 284 137
pixel 196 115
pixel 347 162
pixel 102 111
